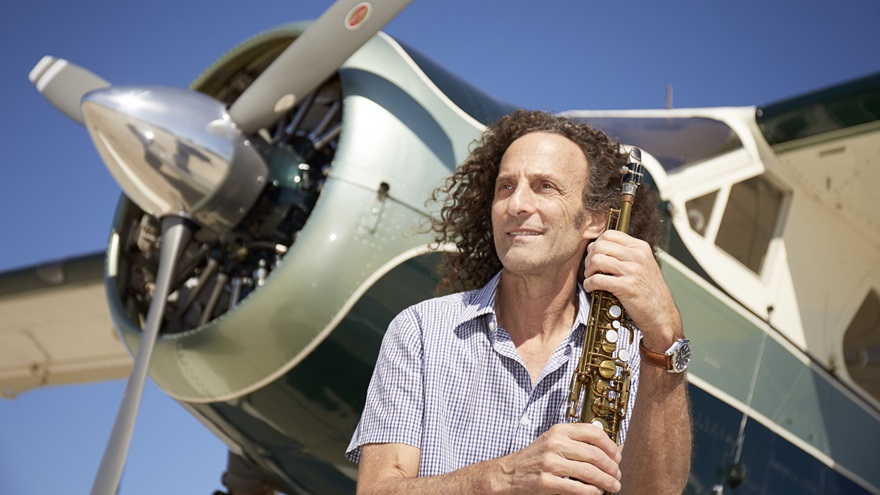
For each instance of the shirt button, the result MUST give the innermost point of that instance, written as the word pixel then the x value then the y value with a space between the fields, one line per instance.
pixel 525 420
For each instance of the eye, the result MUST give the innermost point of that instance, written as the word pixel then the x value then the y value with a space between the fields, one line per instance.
pixel 503 188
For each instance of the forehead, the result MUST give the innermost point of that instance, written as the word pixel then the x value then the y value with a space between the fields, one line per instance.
pixel 544 153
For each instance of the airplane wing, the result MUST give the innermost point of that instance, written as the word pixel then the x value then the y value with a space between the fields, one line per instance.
pixel 55 327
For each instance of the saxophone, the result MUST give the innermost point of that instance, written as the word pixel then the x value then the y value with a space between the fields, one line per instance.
pixel 602 378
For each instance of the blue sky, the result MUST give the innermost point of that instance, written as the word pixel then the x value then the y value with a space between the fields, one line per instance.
pixel 57 199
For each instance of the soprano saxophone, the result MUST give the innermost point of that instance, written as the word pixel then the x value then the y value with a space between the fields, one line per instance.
pixel 600 385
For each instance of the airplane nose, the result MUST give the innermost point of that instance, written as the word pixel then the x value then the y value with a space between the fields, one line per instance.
pixel 175 152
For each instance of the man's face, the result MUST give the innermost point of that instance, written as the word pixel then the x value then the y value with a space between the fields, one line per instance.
pixel 538 198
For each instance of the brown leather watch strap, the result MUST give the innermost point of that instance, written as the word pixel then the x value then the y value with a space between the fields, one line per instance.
pixel 654 358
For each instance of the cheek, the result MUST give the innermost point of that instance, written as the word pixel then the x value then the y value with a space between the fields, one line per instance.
pixel 498 210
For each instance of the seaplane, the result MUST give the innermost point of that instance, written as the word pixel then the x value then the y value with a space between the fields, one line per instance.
pixel 273 221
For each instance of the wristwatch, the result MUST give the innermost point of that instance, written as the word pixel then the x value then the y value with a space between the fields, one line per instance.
pixel 675 360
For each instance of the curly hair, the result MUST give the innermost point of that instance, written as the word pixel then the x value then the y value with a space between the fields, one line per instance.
pixel 466 197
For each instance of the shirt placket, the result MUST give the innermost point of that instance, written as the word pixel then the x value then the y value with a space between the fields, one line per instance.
pixel 529 418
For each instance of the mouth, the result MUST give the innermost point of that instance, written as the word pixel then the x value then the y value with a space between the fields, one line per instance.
pixel 523 233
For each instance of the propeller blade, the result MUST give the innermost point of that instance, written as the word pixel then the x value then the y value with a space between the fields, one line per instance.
pixel 176 232
pixel 310 59
pixel 64 84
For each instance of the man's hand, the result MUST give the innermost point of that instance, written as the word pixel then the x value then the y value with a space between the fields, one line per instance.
pixel 571 458
pixel 625 266
pixel 568 459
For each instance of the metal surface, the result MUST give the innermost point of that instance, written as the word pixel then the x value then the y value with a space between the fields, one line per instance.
pixel 600 385
pixel 176 152
pixel 353 235
pixel 278 345
pixel 64 84
pixel 312 58
pixel 176 233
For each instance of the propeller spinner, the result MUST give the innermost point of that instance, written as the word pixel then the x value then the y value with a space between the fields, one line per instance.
pixel 182 158
pixel 176 152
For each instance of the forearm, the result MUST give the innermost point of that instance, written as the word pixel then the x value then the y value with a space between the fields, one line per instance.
pixel 473 479
pixel 559 461
pixel 657 452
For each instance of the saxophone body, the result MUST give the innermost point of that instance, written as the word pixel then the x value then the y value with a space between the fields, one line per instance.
pixel 600 385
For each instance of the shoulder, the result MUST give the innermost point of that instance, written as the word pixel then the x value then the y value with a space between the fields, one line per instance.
pixel 439 317
pixel 448 308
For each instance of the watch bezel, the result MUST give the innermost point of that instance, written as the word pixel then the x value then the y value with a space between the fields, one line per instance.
pixel 679 351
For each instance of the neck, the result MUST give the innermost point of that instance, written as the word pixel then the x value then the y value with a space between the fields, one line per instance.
pixel 542 308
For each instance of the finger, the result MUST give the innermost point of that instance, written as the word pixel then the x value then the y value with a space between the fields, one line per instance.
pixel 590 480
pixel 596 437
pixel 589 456
pixel 571 437
pixel 619 237
pixel 605 263
pixel 609 283
pixel 590 434
pixel 621 246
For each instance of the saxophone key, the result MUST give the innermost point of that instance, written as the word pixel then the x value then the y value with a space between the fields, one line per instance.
pixel 602 407
pixel 615 311
pixel 607 369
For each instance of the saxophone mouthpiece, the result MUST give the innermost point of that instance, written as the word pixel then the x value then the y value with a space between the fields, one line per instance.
pixel 632 171
pixel 635 155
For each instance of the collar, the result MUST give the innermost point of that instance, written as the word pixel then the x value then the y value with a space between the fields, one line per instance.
pixel 481 303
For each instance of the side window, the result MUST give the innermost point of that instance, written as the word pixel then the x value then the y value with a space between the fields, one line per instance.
pixel 749 221
pixel 861 345
pixel 699 210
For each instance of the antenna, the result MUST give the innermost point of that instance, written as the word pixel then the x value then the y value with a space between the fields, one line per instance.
pixel 668 96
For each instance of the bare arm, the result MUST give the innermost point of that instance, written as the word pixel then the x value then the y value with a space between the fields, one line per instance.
pixel 551 465
pixel 657 453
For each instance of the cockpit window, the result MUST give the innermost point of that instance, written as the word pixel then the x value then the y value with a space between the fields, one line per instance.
pixel 861 345
pixel 699 210
pixel 675 142
pixel 749 222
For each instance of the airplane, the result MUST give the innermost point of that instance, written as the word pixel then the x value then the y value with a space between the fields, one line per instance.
pixel 726 280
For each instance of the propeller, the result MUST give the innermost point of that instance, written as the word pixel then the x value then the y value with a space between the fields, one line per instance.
pixel 64 84
pixel 310 59
pixel 181 157
pixel 176 232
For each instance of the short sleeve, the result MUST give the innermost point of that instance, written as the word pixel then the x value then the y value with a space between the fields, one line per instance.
pixel 394 408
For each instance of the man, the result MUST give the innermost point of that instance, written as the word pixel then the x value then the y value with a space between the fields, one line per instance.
pixel 469 390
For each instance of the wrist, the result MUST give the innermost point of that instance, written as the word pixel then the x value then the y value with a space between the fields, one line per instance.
pixel 674 359
pixel 660 336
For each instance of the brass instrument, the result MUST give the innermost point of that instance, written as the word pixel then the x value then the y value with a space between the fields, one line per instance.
pixel 602 378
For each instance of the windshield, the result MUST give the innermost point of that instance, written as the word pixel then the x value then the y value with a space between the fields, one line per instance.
pixel 675 142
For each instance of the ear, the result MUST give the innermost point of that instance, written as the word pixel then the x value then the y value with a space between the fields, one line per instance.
pixel 594 225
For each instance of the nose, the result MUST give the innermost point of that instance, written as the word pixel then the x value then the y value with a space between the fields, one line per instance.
pixel 521 201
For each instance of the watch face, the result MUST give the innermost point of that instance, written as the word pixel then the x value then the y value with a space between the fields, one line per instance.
pixel 681 357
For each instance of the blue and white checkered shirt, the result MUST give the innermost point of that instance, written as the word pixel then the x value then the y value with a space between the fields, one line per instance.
pixel 449 381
